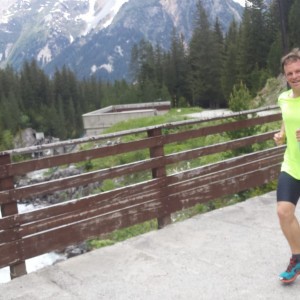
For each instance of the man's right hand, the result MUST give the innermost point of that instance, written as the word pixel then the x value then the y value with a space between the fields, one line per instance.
pixel 279 138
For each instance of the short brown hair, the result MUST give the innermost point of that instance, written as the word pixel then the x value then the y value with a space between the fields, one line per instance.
pixel 293 56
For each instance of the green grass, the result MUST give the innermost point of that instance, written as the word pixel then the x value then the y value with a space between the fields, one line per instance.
pixel 173 115
pixel 123 234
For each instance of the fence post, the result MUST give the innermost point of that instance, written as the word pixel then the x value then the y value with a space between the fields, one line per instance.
pixel 160 172
pixel 8 209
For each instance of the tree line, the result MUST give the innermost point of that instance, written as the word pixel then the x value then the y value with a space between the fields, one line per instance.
pixel 53 105
pixel 201 72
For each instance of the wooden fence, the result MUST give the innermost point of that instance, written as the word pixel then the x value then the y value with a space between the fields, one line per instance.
pixel 166 190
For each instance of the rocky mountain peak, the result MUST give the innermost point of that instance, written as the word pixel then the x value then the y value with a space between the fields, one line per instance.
pixel 95 37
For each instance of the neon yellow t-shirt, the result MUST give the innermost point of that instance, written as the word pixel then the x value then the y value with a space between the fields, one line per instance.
pixel 290 109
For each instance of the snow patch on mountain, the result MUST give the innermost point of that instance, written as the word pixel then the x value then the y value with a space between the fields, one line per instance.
pixel 109 66
pixel 101 13
pixel 241 2
pixel 171 7
pixel 119 50
pixel 5 5
pixel 4 10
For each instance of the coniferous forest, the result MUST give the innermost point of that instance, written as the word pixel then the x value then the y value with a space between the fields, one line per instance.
pixel 200 72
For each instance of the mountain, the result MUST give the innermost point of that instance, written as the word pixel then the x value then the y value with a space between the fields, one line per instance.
pixel 95 37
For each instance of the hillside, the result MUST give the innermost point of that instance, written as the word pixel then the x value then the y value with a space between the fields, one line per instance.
pixel 269 94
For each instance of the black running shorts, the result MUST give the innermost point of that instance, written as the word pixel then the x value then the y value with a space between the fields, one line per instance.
pixel 288 188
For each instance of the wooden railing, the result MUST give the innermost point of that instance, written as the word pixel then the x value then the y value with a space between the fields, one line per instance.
pixel 165 191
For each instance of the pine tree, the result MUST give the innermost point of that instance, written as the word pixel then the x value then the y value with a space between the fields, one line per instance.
pixel 200 58
pixel 27 83
pixel 284 7
pixel 134 66
pixel 51 121
pixel 230 64
pixel 275 48
pixel 176 77
pixel 158 66
pixel 217 53
pixel 6 140
pixel 240 99
pixel 10 113
pixel 294 25
pixel 63 134
pixel 254 43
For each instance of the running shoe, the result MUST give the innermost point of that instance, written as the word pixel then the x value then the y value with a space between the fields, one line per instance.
pixel 292 271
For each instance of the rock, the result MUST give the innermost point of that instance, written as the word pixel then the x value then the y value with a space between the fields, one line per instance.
pixel 76 250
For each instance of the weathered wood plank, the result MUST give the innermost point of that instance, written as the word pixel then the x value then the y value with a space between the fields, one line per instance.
pixel 24 167
pixel 9 222
pixel 52 186
pixel 229 186
pixel 90 201
pixel 59 214
pixel 225 164
pixel 10 254
pixel 109 206
pixel 217 148
pixel 160 172
pixel 9 235
pixel 220 128
pixel 229 172
pixel 59 238
pixel 18 268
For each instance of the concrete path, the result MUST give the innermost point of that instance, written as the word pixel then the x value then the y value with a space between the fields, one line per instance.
pixel 210 113
pixel 231 253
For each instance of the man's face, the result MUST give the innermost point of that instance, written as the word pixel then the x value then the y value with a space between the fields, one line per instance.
pixel 292 74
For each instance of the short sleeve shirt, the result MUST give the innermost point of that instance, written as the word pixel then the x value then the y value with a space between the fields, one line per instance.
pixel 290 109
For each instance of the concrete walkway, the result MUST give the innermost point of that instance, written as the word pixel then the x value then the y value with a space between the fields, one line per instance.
pixel 235 252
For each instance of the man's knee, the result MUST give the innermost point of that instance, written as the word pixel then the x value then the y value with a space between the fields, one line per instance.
pixel 285 211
